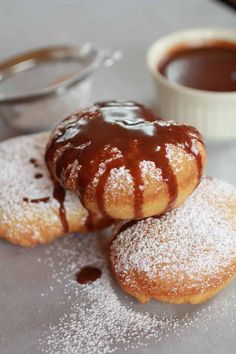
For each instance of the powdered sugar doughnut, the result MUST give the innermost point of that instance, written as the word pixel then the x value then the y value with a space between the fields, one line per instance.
pixel 124 162
pixel 31 210
pixel 185 256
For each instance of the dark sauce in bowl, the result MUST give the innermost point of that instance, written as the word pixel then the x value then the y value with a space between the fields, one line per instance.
pixel 209 67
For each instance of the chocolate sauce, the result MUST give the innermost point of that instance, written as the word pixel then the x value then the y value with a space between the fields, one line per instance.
pixel 210 67
pixel 37 200
pixel 96 222
pixel 38 175
pixel 113 135
pixel 89 221
pixel 34 162
pixel 59 194
pixel 88 275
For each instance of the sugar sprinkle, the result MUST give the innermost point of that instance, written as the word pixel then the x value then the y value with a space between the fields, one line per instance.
pixel 101 318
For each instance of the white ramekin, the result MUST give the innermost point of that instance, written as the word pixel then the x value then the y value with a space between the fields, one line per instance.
pixel 212 113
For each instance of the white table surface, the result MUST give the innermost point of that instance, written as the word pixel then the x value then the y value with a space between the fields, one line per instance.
pixel 129 25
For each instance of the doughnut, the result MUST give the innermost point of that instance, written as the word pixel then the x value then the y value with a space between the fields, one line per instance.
pixel 32 209
pixel 123 161
pixel 185 256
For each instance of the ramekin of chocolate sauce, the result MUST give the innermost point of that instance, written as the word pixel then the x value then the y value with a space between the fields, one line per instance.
pixel 195 76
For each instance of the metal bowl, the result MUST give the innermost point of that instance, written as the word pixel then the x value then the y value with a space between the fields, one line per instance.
pixel 40 87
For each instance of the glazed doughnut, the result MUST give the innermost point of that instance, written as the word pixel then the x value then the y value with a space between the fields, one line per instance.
pixel 124 162
pixel 186 256
pixel 32 211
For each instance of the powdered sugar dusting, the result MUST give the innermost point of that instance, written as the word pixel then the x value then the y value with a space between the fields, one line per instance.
pixel 195 241
pixel 148 168
pixel 100 318
pixel 98 321
pixel 120 178
pixel 18 182
pixel 176 155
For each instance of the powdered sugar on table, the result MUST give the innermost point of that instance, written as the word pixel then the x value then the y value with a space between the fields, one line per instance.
pixel 101 318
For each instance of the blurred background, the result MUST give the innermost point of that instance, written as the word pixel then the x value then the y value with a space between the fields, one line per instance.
pixel 129 25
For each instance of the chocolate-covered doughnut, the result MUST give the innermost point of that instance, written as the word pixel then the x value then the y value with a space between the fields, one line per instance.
pixel 123 161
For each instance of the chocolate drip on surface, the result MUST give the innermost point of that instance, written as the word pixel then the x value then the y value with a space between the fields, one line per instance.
pixel 88 275
pixel 38 175
pixel 112 135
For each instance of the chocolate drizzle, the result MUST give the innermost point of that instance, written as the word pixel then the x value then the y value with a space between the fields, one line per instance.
pixel 112 135
pixel 97 222
pixel 36 200
pixel 59 195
